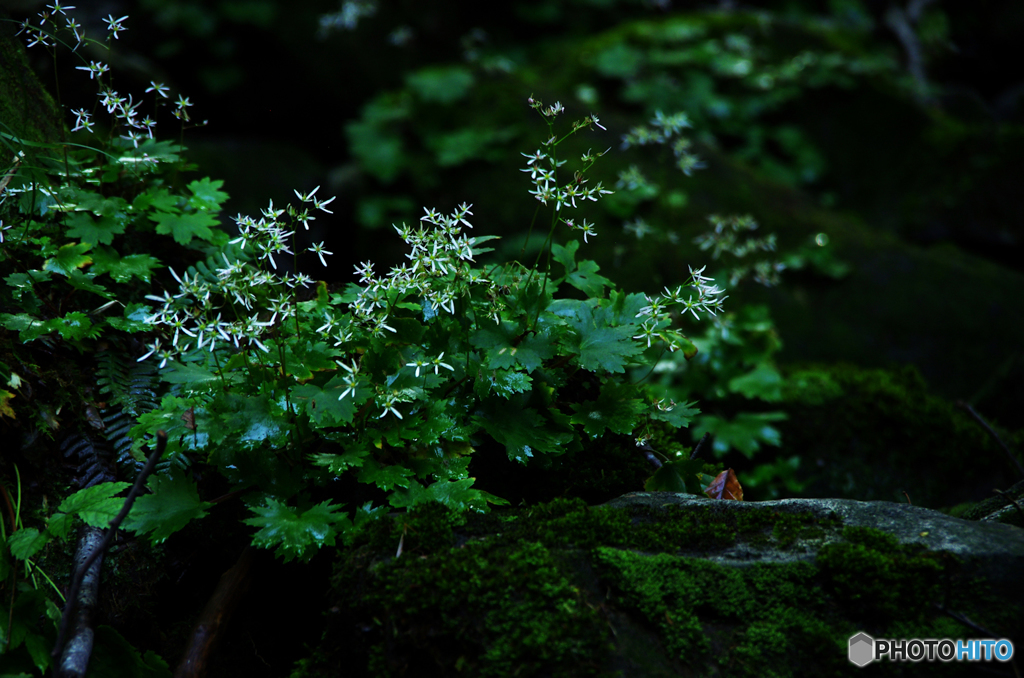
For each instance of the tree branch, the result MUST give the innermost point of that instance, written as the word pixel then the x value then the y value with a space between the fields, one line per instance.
pixel 74 657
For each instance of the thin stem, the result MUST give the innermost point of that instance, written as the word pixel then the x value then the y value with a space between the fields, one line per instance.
pixel 977 417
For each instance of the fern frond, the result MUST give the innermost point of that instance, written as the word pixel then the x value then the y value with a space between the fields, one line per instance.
pixel 95 460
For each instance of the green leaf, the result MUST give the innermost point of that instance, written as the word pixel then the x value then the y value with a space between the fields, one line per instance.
pixel 385 477
pixel 441 84
pixel 677 476
pixel 173 503
pixel 114 657
pixel 303 358
pixel 598 345
pixel 28 327
pixel 457 495
pixel 339 463
pixel 678 415
pixel 95 230
pixel 123 269
pixel 133 320
pixel 378 150
pixel 324 405
pixel 26 542
pixel 253 421
pixel 192 374
pixel 185 227
pixel 763 382
pixel 95 505
pixel 504 351
pixel 159 199
pixel 206 194
pixel 76 326
pixel 625 307
pixel 68 258
pixel 86 281
pixel 566 255
pixel 586 279
pixel 506 383
pixel 522 430
pixel 745 433
pixel 615 409
pixel 295 534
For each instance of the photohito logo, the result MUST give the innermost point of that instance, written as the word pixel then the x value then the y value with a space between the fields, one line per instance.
pixel 864 649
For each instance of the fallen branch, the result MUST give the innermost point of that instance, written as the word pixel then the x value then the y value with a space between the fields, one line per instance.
pixel 74 656
pixel 214 618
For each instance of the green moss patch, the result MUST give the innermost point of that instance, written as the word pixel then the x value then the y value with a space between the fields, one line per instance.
pixel 562 589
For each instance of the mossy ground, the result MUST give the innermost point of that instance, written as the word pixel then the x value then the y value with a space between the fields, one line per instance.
pixel 561 589
pixel 872 434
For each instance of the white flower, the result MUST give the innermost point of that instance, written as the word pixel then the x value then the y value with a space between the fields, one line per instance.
pixel 321 204
pixel 82 120
pixel 437 363
pixel 390 400
pixel 649 333
pixel 318 249
pixel 159 88
pixel 418 363
pixel 55 8
pixel 114 25
pixel 94 68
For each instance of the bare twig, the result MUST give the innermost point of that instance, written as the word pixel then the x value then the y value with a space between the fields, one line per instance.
pixel 700 445
pixel 978 418
pixel 74 658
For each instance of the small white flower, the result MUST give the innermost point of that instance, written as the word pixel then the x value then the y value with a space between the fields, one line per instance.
pixel 55 8
pixel 418 363
pixel 114 25
pixel 437 363
pixel 82 120
pixel 318 249
pixel 321 204
pixel 649 332
pixel 159 88
pixel 94 68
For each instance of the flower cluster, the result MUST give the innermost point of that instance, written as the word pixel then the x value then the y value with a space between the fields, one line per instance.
pixel 258 299
pixel 724 238
pixel 665 129
pixel 438 269
pixel 123 109
pixel 543 169
pixel 658 318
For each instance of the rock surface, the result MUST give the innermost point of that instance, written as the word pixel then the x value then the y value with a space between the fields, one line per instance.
pixel 654 584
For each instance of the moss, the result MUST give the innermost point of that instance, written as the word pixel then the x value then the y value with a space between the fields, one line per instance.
pixel 875 434
pixel 875 577
pixel 563 589
pixel 27 109
pixel 490 611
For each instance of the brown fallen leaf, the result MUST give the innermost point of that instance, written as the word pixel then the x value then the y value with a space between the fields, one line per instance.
pixel 725 486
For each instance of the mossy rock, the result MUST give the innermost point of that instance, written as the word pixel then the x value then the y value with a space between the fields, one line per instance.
pixel 660 584
pixel 26 108
pixel 874 434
